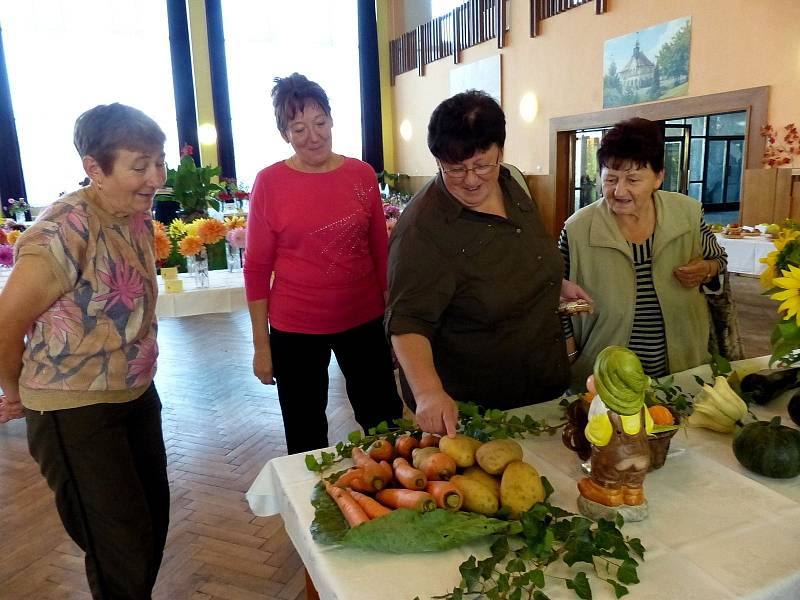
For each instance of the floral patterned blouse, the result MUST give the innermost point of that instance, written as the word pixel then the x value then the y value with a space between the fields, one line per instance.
pixel 97 342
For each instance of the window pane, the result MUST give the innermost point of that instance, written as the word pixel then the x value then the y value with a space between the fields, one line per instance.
pixel 675 121
pixel 673 131
pixel 62 61
pixel 698 125
pixel 727 124
pixel 672 167
pixel 696 190
pixel 696 149
pixel 261 43
pixel 712 192
pixel 734 171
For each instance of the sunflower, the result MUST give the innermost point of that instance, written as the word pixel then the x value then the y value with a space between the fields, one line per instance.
pixel 177 229
pixel 190 245
pixel 790 296
pixel 768 275
pixel 210 231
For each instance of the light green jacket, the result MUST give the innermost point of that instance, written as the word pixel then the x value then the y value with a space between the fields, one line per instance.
pixel 602 263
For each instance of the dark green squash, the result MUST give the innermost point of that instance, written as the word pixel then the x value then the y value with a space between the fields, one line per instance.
pixel 769 448
pixel 763 386
pixel 794 407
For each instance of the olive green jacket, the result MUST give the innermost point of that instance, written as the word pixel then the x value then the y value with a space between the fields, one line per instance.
pixel 602 263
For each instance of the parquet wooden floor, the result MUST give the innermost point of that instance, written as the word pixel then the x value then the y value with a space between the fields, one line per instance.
pixel 221 425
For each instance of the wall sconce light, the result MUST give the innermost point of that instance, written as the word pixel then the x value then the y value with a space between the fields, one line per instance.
pixel 406 131
pixel 529 107
pixel 207 134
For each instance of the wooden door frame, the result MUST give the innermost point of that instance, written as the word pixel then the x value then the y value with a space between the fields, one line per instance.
pixel 752 100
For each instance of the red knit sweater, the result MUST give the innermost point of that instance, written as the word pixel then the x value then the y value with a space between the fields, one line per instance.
pixel 324 237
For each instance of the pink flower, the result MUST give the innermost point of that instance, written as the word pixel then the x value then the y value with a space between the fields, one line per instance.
pixel 237 237
pixel 142 366
pixel 124 283
pixel 78 218
pixel 64 317
pixel 6 255
pixel 187 150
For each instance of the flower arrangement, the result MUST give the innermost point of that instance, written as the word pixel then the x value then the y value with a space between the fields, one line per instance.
pixel 781 280
pixel 8 237
pixel 783 153
pixel 233 191
pixel 16 206
pixel 194 238
pixel 191 186
pixel 237 231
pixel 391 212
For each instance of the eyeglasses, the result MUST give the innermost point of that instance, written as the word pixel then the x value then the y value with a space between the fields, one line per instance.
pixel 461 172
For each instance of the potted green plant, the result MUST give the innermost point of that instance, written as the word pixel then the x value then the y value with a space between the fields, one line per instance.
pixel 191 187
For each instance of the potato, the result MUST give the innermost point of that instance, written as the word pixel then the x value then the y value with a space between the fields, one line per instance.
pixel 477 497
pixel 460 448
pixel 520 488
pixel 418 455
pixel 495 455
pixel 481 476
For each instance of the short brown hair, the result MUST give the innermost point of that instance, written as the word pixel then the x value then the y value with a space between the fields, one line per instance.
pixel 637 141
pixel 290 96
pixel 106 128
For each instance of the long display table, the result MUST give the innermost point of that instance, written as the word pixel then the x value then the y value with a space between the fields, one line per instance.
pixel 715 530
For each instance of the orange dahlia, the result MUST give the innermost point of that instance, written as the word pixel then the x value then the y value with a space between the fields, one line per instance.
pixel 211 231
pixel 190 245
pixel 162 243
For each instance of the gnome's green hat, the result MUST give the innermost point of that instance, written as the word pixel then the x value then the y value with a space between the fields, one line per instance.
pixel 620 380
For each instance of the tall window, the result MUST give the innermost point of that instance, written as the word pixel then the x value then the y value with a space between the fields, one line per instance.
pixel 264 40
pixel 64 57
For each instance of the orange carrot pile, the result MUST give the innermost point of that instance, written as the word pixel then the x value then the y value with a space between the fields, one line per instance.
pixel 352 511
pixel 400 498
pixel 374 476
pixel 372 507
pixel 409 477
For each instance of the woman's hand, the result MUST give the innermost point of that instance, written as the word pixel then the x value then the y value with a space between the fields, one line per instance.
pixel 10 409
pixel 262 366
pixel 695 273
pixel 572 291
pixel 437 412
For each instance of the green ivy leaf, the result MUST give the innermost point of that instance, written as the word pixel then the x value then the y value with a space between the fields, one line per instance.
pixel 312 464
pixel 635 544
pixel 581 586
pixel 627 572
pixel 469 572
pixel 538 578
pixel 619 590
pixel 540 595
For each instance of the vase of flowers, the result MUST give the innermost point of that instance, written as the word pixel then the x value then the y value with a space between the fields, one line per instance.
pixel 781 280
pixel 236 239
pixel 193 241
pixel 18 208
pixel 191 187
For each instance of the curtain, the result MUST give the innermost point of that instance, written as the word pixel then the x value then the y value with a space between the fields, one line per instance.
pixel 371 132
pixel 182 76
pixel 219 89
pixel 12 184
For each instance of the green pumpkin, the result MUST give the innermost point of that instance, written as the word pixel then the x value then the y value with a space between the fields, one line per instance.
pixel 769 448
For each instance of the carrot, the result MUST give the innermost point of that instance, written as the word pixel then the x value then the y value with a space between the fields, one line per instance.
pixel 349 476
pixel 437 466
pixel 409 477
pixel 373 476
pixel 351 510
pixel 413 499
pixel 404 445
pixel 358 485
pixel 446 494
pixel 388 473
pixel 380 450
pixel 372 507
pixel 428 440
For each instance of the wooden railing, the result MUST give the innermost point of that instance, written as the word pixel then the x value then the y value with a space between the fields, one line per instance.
pixel 472 23
pixel 543 9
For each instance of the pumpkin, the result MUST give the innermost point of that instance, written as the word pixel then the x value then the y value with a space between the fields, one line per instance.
pixel 769 448
pixel 794 407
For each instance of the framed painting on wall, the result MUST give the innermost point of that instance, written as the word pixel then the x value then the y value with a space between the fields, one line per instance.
pixel 651 64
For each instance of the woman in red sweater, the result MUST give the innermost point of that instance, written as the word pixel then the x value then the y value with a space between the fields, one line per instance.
pixel 316 222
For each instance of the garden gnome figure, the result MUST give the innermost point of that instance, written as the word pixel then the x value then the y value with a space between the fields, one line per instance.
pixel 618 426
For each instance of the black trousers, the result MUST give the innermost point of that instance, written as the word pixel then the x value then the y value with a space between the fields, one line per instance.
pixel 300 363
pixel 107 465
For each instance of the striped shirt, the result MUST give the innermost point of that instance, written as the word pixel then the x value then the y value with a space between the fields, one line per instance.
pixel 648 339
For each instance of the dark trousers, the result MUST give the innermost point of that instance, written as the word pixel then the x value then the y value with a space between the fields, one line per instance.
pixel 300 363
pixel 107 465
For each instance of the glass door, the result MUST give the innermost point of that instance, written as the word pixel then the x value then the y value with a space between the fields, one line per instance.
pixel 676 158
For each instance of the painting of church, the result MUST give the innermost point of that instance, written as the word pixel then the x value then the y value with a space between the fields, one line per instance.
pixel 655 64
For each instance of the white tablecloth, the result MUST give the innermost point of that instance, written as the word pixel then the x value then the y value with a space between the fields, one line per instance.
pixel 225 294
pixel 744 254
pixel 715 530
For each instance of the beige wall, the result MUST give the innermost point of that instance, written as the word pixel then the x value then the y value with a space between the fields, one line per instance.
pixel 736 44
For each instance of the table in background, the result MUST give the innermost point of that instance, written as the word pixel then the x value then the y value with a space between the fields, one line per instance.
pixel 225 294
pixel 744 254
pixel 715 530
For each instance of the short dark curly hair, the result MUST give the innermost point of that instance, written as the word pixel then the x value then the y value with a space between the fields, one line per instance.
pixel 636 141
pixel 467 123
pixel 106 128
pixel 290 96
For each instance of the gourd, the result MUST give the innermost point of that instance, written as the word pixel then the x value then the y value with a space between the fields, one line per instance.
pixel 765 385
pixel 794 407
pixel 769 448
